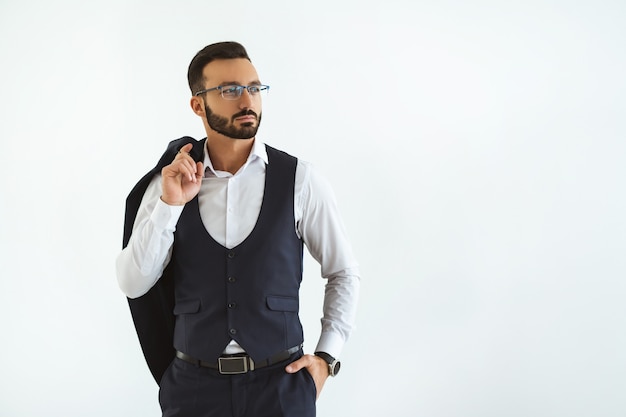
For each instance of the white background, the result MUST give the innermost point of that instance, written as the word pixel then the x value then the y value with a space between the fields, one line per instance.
pixel 477 150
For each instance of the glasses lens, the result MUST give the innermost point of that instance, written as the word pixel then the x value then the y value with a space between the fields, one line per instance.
pixel 260 89
pixel 231 92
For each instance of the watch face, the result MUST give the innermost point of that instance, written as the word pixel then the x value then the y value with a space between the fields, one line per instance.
pixel 335 368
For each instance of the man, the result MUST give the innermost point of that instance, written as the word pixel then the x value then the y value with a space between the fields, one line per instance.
pixel 212 259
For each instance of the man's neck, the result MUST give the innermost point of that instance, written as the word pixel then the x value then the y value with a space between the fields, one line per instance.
pixel 228 154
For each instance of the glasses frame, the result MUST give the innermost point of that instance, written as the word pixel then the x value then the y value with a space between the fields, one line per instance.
pixel 240 88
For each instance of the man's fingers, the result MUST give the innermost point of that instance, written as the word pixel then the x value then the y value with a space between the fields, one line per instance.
pixel 182 178
pixel 180 167
pixel 189 167
pixel 186 148
pixel 294 367
pixel 184 164
pixel 315 366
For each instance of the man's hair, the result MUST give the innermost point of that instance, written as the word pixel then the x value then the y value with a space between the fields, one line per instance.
pixel 220 50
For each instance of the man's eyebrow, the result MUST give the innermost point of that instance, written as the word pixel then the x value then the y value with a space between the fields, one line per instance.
pixel 255 82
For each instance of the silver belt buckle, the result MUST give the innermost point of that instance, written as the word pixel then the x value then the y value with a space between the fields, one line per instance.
pixel 235 365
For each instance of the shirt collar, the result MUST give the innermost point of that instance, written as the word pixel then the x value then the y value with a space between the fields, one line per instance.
pixel 258 154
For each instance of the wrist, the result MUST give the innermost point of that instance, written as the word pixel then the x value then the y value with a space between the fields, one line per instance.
pixel 333 364
pixel 171 202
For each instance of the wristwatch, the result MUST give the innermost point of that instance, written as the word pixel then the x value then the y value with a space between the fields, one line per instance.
pixel 333 364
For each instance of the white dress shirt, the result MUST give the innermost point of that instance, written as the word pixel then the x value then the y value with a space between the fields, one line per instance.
pixel 229 207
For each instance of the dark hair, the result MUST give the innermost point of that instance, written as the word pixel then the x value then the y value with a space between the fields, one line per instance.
pixel 220 50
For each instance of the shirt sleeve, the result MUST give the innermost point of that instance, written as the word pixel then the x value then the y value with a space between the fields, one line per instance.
pixel 322 229
pixel 142 261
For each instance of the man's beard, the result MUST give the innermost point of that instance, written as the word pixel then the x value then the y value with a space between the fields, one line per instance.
pixel 227 128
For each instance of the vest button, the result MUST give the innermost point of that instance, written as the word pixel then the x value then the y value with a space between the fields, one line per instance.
pixel 232 279
pixel 232 305
pixel 231 254
pixel 232 331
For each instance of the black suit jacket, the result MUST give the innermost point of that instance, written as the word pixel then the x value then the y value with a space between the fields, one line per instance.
pixel 153 312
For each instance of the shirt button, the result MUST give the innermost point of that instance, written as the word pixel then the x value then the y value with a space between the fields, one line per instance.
pixel 232 305
pixel 232 331
pixel 231 254
pixel 231 279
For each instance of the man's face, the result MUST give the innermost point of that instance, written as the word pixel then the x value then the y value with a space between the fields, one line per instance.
pixel 239 118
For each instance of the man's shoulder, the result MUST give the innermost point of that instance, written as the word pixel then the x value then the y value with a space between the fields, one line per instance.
pixel 279 153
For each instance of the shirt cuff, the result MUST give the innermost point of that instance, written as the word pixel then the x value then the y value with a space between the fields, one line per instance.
pixel 330 343
pixel 164 216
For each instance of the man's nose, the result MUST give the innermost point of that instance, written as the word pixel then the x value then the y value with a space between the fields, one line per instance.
pixel 245 101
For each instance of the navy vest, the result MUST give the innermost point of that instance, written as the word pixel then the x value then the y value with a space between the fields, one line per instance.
pixel 248 293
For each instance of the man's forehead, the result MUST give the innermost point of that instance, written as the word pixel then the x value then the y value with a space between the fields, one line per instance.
pixel 226 70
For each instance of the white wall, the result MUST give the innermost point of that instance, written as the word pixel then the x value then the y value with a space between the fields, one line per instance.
pixel 476 148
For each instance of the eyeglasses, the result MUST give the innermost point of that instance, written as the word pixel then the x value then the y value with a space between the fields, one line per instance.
pixel 233 92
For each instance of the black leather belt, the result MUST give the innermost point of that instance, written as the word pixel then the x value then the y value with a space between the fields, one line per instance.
pixel 239 363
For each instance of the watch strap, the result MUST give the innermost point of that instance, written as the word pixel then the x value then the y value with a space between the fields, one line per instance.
pixel 327 357
pixel 333 364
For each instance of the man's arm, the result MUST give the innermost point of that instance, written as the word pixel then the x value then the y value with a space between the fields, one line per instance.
pixel 326 238
pixel 324 234
pixel 142 261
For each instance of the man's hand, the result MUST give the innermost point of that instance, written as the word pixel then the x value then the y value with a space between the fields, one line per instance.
pixel 182 178
pixel 316 366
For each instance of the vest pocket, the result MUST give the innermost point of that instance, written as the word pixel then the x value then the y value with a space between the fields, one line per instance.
pixel 187 307
pixel 277 303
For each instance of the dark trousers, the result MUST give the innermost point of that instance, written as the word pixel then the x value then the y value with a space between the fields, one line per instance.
pixel 190 391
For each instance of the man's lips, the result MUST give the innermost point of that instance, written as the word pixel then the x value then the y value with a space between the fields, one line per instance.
pixel 245 116
pixel 245 119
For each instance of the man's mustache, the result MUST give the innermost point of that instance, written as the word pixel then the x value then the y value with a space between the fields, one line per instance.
pixel 248 112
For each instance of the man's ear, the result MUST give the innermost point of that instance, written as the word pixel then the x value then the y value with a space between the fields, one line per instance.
pixel 197 105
